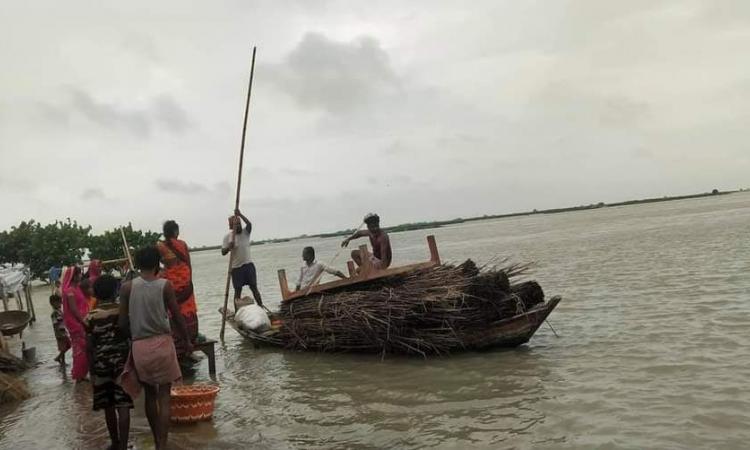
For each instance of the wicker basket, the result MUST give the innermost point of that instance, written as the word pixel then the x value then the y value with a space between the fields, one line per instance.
pixel 193 403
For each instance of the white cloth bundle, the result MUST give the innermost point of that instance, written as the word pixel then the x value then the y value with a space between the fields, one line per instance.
pixel 253 317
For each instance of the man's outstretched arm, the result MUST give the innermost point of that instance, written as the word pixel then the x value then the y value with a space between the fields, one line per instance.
pixel 356 235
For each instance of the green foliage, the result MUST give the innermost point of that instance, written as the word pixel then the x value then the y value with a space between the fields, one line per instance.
pixel 40 247
pixel 54 244
pixel 63 243
pixel 108 245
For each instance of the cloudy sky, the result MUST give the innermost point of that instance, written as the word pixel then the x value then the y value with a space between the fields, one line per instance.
pixel 132 111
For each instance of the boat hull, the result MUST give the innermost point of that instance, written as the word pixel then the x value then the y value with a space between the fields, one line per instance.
pixel 507 333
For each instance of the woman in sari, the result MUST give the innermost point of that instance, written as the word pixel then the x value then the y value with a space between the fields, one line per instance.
pixel 75 308
pixel 179 271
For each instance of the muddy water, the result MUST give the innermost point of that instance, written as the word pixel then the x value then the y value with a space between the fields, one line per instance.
pixel 653 350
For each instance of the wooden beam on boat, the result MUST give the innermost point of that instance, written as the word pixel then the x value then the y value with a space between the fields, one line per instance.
pixel 432 245
pixel 366 273
pixel 284 284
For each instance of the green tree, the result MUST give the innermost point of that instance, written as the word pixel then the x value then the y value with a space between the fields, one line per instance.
pixel 64 243
pixel 40 247
pixel 108 245
pixel 16 245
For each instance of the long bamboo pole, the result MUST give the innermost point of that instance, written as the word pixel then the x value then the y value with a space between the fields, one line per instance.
pixel 127 248
pixel 237 197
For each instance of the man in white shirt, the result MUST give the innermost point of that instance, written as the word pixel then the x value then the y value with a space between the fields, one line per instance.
pixel 311 271
pixel 243 269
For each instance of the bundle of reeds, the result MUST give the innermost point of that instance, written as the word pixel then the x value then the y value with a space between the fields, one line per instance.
pixel 422 312
pixel 12 388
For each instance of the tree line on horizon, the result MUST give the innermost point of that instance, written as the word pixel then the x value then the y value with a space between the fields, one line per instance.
pixel 65 242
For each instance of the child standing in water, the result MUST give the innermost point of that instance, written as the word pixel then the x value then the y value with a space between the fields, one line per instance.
pixel 61 335
pixel 108 353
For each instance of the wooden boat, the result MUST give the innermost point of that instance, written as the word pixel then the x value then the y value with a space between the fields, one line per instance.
pixel 509 332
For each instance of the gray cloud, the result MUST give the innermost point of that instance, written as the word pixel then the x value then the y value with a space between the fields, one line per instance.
pixel 161 112
pixel 93 194
pixel 396 147
pixel 173 186
pixel 295 172
pixel 557 103
pixel 181 187
pixel 170 113
pixel 338 77
pixel 110 115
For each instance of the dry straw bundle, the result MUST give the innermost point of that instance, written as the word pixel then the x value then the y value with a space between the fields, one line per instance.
pixel 425 312
pixel 12 388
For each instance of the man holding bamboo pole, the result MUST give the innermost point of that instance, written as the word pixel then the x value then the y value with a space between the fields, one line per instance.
pixel 237 242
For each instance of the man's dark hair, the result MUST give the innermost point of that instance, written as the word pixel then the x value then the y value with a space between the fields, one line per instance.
pixel 105 287
pixel 170 229
pixel 373 220
pixel 77 273
pixel 310 250
pixel 54 298
pixel 147 258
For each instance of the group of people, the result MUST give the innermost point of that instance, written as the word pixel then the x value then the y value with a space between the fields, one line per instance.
pixel 127 335
pixel 244 273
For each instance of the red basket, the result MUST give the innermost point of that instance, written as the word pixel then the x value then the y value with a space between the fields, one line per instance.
pixel 193 403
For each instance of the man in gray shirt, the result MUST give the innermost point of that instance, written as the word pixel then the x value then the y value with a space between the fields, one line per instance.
pixel 144 306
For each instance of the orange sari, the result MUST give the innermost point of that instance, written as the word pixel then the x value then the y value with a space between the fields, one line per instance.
pixel 178 271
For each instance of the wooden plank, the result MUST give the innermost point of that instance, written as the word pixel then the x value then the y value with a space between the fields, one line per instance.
pixel 283 284
pixel 359 279
pixel 432 245
pixel 366 272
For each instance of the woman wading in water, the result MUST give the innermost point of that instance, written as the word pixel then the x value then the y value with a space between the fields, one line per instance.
pixel 179 271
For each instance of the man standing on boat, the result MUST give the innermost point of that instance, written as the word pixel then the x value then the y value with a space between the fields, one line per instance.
pixel 243 269
pixel 381 245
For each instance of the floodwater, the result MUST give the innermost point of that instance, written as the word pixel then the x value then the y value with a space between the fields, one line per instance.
pixel 653 350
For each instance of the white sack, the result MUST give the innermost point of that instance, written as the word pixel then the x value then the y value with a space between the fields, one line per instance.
pixel 253 317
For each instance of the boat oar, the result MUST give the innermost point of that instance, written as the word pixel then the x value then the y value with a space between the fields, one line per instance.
pixel 237 197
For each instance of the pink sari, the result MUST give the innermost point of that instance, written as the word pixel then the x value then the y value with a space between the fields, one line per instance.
pixel 75 329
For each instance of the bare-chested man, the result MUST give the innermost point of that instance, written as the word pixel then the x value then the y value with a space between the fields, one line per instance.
pixel 381 246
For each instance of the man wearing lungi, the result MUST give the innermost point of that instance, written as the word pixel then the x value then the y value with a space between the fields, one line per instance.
pixel 152 364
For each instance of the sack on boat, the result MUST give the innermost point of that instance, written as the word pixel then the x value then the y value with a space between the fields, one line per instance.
pixel 253 317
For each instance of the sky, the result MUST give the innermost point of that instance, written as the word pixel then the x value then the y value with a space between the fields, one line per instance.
pixel 117 112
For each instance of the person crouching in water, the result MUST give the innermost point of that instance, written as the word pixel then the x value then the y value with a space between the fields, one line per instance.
pixel 310 273
pixel 108 351
pixel 153 365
